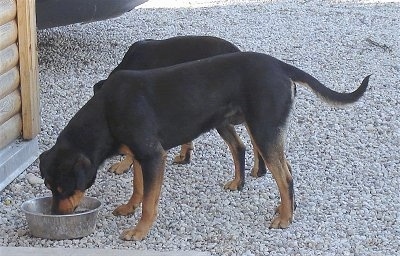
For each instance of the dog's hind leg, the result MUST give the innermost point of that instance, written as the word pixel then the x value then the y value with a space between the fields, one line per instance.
pixel 184 154
pixel 259 169
pixel 270 144
pixel 237 149
pixel 153 173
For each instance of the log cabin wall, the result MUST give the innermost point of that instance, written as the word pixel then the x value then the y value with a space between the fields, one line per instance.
pixel 10 94
pixel 19 92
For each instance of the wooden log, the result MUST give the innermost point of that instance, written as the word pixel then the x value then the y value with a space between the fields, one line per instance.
pixel 9 81
pixel 10 130
pixel 8 58
pixel 28 63
pixel 8 10
pixel 10 106
pixel 8 34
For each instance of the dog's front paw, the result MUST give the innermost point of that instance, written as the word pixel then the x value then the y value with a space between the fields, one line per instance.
pixel 124 210
pixel 121 167
pixel 234 185
pixel 133 234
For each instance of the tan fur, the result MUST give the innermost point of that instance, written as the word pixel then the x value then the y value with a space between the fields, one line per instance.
pixel 149 207
pixel 69 204
pixel 137 194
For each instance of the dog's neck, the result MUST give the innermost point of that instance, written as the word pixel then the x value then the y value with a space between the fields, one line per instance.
pixel 82 134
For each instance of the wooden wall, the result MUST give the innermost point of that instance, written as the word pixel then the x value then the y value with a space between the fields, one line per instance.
pixel 19 93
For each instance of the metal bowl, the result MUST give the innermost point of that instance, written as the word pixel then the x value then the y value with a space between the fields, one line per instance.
pixel 45 225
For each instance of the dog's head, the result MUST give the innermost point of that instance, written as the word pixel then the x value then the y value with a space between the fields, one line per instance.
pixel 67 174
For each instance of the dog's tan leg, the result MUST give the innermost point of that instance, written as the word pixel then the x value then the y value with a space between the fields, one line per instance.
pixel 271 147
pixel 237 149
pixel 185 154
pixel 259 168
pixel 256 165
pixel 124 165
pixel 137 195
pixel 153 173
pixel 279 168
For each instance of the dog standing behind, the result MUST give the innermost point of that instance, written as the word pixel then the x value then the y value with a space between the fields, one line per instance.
pixel 150 54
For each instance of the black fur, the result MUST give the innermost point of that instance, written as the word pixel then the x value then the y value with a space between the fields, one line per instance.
pixel 149 53
pixel 154 110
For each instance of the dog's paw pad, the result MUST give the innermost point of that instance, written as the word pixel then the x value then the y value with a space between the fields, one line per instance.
pixel 133 235
pixel 257 172
pixel 233 185
pixel 280 223
pixel 181 159
pixel 283 218
pixel 120 167
pixel 123 210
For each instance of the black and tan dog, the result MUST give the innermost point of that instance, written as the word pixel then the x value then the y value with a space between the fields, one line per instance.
pixel 149 54
pixel 148 112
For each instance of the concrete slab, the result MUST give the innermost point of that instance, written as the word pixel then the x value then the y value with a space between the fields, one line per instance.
pixel 23 251
pixel 15 158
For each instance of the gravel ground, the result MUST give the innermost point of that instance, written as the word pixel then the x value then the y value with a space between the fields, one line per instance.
pixel 345 161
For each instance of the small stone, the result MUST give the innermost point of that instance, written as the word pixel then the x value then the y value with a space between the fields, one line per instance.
pixel 34 180
pixel 248 253
pixel 370 128
pixel 7 202
pixel 22 232
pixel 17 188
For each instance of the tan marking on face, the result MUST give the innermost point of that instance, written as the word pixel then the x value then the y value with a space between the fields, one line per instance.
pixel 68 205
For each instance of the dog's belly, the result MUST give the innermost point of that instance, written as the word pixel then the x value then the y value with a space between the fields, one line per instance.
pixel 175 133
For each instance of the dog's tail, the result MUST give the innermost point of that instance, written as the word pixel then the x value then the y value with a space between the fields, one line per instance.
pixel 323 92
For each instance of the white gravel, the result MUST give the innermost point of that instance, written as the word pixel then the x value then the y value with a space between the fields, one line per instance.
pixel 345 161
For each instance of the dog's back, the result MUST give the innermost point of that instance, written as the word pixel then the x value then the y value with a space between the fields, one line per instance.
pixel 149 53
pixel 210 92
pixel 198 95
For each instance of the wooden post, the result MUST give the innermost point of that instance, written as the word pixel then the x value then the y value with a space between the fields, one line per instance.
pixel 28 65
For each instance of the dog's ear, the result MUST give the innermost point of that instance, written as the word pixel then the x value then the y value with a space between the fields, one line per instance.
pixel 84 173
pixel 43 160
pixel 97 86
